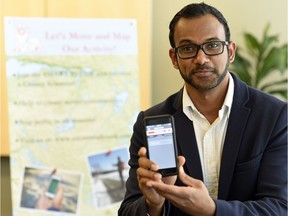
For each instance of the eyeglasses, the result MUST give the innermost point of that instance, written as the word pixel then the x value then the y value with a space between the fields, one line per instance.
pixel 210 48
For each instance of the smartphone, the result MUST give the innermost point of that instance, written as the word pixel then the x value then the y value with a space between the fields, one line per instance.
pixel 161 143
pixel 53 186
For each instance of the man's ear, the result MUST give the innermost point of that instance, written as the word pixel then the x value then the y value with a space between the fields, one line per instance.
pixel 173 57
pixel 232 51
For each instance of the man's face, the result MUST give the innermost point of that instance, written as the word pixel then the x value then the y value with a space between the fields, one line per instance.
pixel 201 72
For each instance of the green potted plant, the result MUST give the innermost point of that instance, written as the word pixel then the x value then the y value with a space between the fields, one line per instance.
pixel 262 64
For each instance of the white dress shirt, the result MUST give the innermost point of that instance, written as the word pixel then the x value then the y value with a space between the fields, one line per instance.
pixel 210 137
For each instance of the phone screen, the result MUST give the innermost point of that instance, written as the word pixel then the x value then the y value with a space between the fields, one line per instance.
pixel 53 186
pixel 161 143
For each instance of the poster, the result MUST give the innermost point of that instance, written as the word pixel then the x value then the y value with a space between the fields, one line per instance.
pixel 73 97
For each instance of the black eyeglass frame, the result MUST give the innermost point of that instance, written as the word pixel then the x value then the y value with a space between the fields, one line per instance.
pixel 224 43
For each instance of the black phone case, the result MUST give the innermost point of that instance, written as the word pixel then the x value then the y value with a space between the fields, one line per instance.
pixel 162 119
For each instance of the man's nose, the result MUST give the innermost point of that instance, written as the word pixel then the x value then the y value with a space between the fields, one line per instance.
pixel 200 58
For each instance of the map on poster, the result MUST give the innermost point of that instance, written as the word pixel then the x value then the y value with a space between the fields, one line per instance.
pixel 73 97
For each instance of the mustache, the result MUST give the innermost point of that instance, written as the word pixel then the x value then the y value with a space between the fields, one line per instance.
pixel 202 67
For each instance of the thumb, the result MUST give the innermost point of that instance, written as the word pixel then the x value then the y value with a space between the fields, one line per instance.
pixel 184 178
pixel 182 175
pixel 58 199
pixel 181 161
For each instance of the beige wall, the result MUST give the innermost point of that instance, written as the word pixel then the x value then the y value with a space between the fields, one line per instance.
pixel 244 15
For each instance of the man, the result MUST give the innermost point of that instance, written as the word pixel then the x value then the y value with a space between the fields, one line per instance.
pixel 231 137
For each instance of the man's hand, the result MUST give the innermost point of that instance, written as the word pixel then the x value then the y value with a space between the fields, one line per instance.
pixel 45 203
pixel 193 199
pixel 146 176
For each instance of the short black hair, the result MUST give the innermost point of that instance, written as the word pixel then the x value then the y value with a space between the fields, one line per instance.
pixel 197 10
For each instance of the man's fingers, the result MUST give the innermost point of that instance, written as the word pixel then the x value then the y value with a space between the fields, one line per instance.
pixel 181 160
pixel 142 152
pixel 144 162
pixel 188 180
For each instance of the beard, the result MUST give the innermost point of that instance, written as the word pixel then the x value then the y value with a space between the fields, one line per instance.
pixel 205 83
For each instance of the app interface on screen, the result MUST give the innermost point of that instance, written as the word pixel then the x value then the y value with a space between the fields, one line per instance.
pixel 161 148
pixel 53 186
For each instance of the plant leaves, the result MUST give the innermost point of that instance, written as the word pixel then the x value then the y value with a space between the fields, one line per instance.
pixel 252 44
pixel 269 63
pixel 267 41
pixel 261 59
pixel 283 58
pixel 280 84
pixel 241 67
pixel 283 93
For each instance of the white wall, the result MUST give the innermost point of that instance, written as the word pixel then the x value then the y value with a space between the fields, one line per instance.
pixel 244 15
